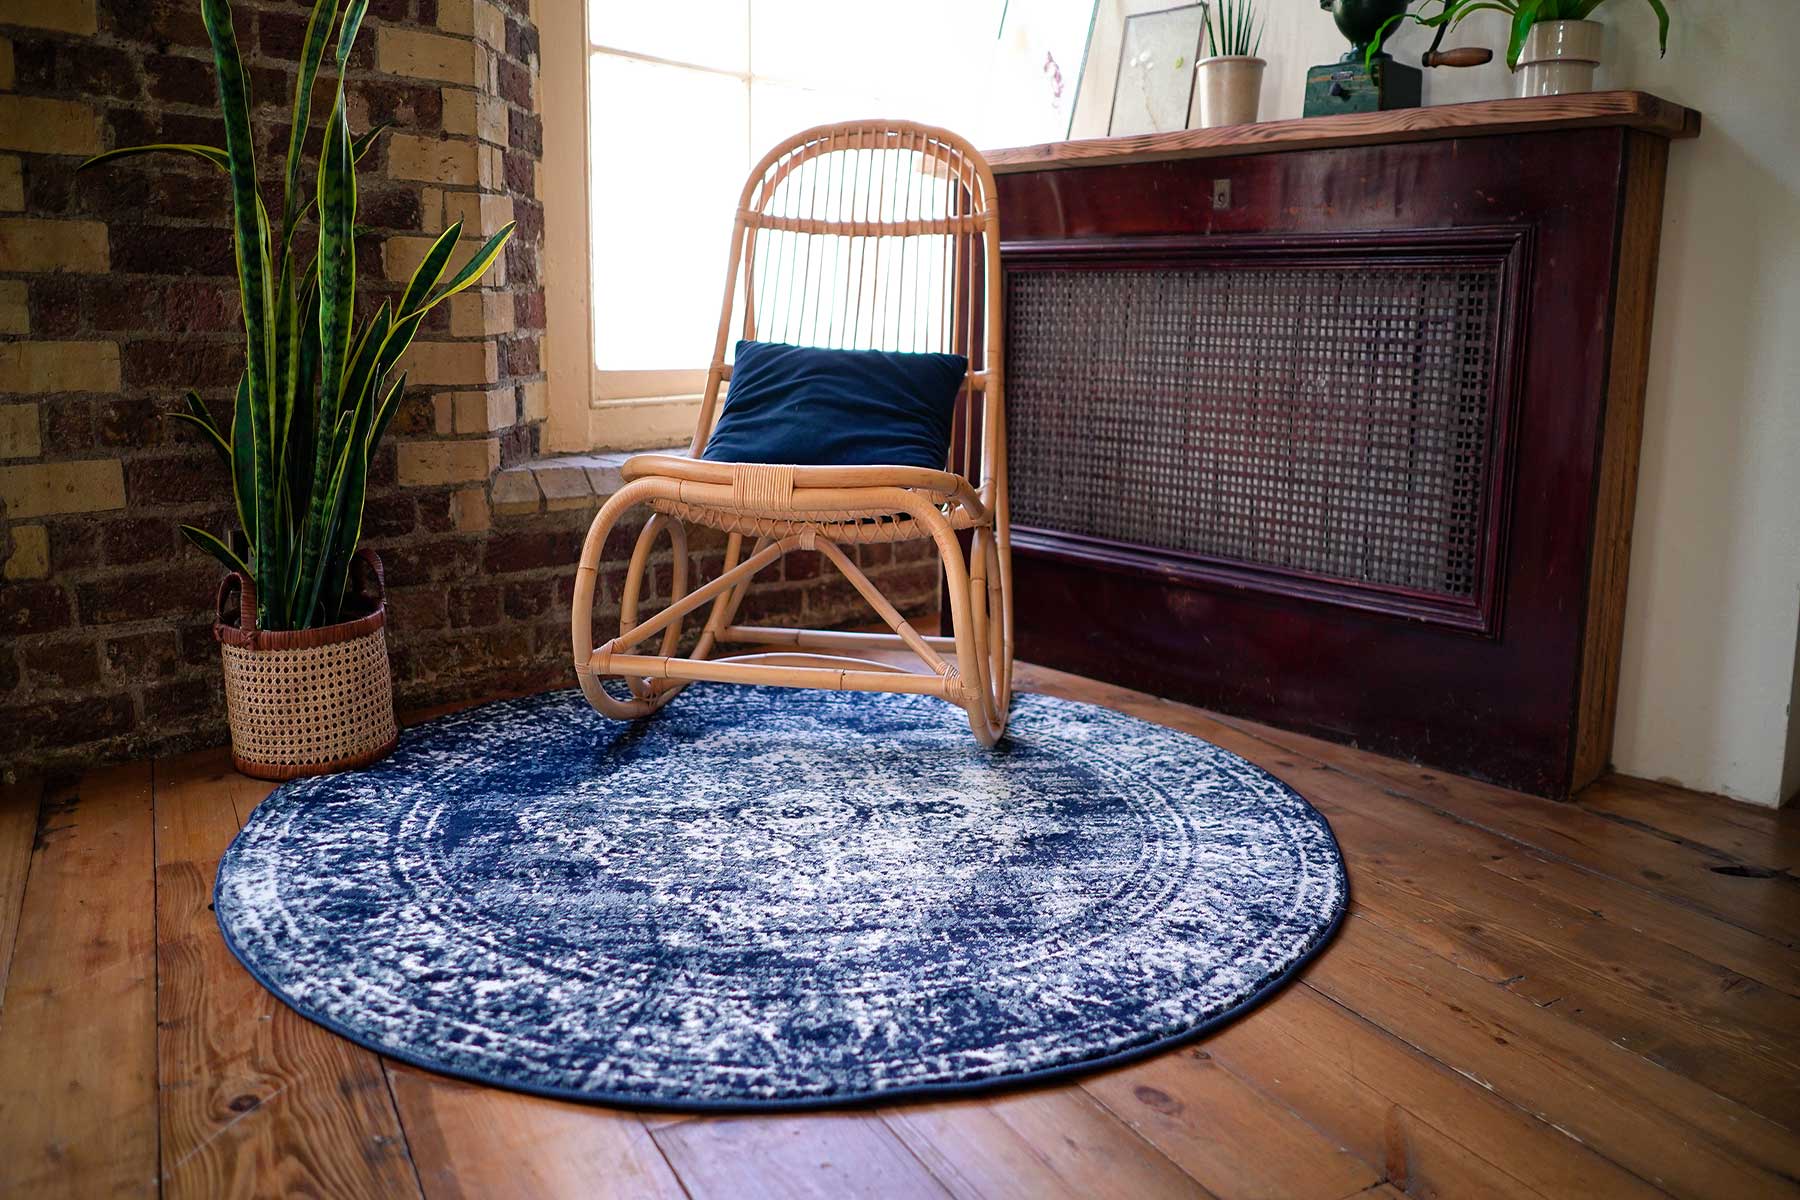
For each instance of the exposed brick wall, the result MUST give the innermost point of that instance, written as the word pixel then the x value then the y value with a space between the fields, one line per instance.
pixel 117 294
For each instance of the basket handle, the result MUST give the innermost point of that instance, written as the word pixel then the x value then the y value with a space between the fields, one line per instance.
pixel 246 601
pixel 367 559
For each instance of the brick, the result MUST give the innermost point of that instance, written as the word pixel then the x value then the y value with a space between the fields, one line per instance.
pixel 457 16
pixel 490 25
pixel 475 114
pixel 459 112
pixel 516 492
pixel 427 463
pixel 9 75
pixel 63 664
pixel 469 510
pixel 452 364
pixel 42 126
pixel 479 314
pixel 15 313
pixel 534 398
pixel 429 56
pixel 19 431
pixel 479 212
pixel 482 412
pixel 40 367
pixel 490 172
pixel 30 558
pixel 432 160
pixel 33 607
pixel 142 596
pixel 64 16
pixel 12 184
pixel 33 244
pixel 46 489
pixel 143 655
pixel 532 550
pixel 565 486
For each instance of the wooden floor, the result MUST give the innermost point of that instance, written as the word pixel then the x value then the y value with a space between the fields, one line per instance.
pixel 1528 999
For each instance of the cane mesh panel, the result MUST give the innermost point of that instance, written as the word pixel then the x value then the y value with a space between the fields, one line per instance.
pixel 1333 420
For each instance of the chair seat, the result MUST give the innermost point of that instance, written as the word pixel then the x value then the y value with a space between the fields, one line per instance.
pixel 702 470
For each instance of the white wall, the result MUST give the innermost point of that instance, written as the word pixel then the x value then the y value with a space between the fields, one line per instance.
pixel 1708 686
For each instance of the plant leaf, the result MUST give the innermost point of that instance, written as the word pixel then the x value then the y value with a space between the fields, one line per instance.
pixel 1662 26
pixel 430 270
pixel 217 549
pixel 213 436
pixel 473 269
pixel 250 242
pixel 1524 17
pixel 353 19
pixel 365 141
pixel 312 53
pixel 243 462
pixel 211 154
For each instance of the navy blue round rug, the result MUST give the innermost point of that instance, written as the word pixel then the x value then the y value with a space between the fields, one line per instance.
pixel 764 899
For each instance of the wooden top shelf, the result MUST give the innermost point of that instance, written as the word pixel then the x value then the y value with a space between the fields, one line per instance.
pixel 1537 114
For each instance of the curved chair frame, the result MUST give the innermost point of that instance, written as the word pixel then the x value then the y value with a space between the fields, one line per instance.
pixel 817 220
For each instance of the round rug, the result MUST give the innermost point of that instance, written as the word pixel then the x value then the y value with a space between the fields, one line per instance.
pixel 763 899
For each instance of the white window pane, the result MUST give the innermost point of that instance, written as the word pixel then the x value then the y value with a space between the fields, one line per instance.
pixel 669 154
pixel 926 58
pixel 708 33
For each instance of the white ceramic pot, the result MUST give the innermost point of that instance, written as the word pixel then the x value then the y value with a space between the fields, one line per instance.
pixel 1559 57
pixel 1227 89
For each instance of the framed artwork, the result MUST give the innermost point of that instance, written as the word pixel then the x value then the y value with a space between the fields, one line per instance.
pixel 1156 70
pixel 1036 72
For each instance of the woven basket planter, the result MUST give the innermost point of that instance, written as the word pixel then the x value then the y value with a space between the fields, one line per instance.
pixel 307 701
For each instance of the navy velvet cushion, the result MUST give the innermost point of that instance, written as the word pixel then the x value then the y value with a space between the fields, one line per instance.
pixel 810 407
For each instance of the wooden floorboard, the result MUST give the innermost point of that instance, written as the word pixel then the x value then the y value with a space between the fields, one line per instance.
pixel 1592 999
pixel 256 1100
pixel 18 830
pixel 78 1030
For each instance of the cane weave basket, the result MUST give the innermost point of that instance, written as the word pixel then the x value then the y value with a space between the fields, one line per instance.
pixel 306 701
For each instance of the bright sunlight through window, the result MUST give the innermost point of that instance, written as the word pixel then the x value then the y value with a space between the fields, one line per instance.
pixel 686 96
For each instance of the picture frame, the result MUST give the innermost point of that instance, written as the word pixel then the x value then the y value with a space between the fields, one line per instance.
pixel 1154 89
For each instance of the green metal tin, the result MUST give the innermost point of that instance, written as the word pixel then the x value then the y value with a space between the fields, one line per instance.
pixel 1348 87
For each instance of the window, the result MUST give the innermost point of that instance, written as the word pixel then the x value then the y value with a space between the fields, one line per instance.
pixel 682 97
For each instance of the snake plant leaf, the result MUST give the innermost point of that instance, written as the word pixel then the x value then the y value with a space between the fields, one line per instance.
pixel 429 271
pixel 243 462
pixel 364 142
pixel 362 373
pixel 473 269
pixel 390 404
pixel 337 298
pixel 312 54
pixel 217 549
pixel 213 436
pixel 353 19
pixel 250 241
pixel 199 416
pixel 211 154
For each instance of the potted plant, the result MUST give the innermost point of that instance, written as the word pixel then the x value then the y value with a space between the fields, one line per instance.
pixel 301 626
pixel 1552 47
pixel 1229 81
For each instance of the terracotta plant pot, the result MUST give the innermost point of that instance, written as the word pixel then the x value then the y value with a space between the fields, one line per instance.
pixel 1559 57
pixel 1228 88
pixel 307 701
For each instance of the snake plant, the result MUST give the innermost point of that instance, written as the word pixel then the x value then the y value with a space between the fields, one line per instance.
pixel 1232 28
pixel 317 390
pixel 1522 14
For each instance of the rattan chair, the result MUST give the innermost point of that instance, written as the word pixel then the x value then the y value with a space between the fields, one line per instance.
pixel 879 235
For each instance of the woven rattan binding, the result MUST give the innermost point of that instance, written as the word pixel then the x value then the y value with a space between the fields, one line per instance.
pixel 306 701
